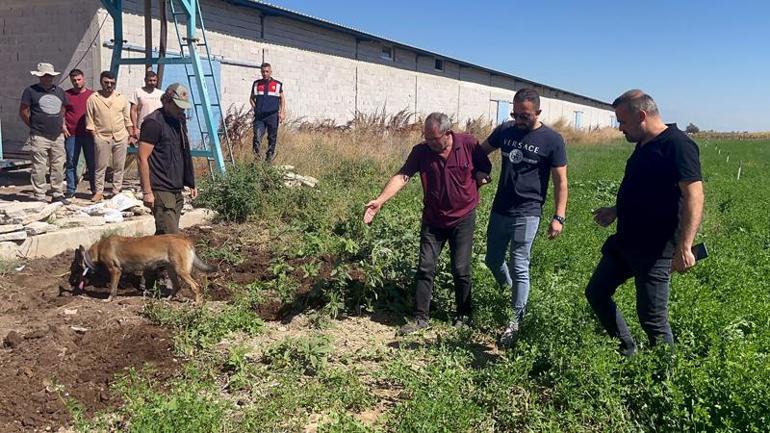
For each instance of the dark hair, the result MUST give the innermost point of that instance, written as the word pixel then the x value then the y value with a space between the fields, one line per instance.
pixel 265 65
pixel 150 74
pixel 527 95
pixel 637 101
pixel 106 74
pixel 76 72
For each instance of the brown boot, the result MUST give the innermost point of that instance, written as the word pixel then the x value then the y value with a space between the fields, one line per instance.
pixel 97 197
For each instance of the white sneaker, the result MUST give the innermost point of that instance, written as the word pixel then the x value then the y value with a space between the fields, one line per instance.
pixel 510 334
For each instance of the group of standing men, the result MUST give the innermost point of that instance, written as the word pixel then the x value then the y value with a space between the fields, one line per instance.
pixel 103 124
pixel 658 209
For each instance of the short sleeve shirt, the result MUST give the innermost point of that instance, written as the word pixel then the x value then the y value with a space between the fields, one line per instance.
pixel 75 111
pixel 449 186
pixel 527 159
pixel 46 115
pixel 170 162
pixel 648 201
pixel 146 103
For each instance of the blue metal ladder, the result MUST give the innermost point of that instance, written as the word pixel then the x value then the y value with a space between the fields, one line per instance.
pixel 191 11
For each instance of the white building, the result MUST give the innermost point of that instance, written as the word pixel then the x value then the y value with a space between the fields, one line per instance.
pixel 328 70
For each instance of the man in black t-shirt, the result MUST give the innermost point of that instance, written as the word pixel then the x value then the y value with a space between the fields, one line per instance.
pixel 165 161
pixel 658 208
pixel 531 154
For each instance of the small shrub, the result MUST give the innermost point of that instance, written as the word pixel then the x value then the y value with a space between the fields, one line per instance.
pixel 306 354
pixel 242 191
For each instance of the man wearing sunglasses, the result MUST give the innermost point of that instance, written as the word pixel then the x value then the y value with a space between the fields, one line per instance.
pixel 531 153
pixel 108 118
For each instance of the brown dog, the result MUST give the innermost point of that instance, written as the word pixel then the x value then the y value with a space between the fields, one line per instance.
pixel 145 254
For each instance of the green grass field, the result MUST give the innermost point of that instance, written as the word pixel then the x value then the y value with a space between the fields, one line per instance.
pixel 564 373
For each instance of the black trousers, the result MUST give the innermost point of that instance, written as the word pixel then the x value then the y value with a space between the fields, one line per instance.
pixel 269 124
pixel 432 240
pixel 651 274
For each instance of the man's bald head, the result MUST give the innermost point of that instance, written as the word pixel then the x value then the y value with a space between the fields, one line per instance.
pixel 635 101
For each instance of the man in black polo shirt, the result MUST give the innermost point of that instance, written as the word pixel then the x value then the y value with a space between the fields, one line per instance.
pixel 165 162
pixel 269 110
pixel 659 207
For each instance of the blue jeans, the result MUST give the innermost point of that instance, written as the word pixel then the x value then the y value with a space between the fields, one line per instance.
pixel 516 233
pixel 72 146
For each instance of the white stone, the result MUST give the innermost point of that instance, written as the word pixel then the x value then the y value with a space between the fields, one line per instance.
pixel 53 243
pixel 9 250
pixel 38 228
pixel 43 214
pixel 15 236
pixel 80 221
pixel 24 207
pixel 6 228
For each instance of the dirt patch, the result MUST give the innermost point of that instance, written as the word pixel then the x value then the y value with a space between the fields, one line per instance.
pixel 253 261
pixel 56 346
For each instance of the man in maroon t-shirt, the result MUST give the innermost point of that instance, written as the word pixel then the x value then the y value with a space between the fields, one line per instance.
pixel 452 167
pixel 76 136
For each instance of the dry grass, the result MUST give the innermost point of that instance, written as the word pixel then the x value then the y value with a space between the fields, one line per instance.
pixel 586 136
pixel 384 139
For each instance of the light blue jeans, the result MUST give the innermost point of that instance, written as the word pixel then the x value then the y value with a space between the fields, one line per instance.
pixel 514 234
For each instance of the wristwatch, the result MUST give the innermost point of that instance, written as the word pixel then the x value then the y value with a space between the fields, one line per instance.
pixel 561 219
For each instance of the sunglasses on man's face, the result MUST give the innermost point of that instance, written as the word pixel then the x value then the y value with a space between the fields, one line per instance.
pixel 523 116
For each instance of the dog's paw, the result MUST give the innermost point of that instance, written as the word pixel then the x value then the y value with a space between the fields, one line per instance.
pixel 107 299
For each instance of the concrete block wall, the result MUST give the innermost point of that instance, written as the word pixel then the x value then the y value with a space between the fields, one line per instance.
pixel 327 74
pixel 37 31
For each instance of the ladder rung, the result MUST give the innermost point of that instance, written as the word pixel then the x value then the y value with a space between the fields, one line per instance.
pixel 205 75
pixel 198 104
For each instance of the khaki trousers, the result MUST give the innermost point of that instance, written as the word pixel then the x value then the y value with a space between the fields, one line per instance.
pixel 106 148
pixel 47 155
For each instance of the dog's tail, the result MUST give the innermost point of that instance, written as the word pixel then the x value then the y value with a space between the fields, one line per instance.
pixel 201 265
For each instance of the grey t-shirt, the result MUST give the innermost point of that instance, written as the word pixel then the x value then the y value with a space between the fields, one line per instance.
pixel 46 116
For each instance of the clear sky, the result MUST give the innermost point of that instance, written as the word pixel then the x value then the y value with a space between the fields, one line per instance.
pixel 706 62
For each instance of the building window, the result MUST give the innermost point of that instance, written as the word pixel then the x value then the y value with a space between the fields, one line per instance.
pixel 438 65
pixel 386 53
pixel 578 119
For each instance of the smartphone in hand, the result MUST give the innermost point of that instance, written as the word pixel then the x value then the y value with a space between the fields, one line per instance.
pixel 700 252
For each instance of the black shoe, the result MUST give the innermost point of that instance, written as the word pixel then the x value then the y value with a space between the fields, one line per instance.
pixel 62 199
pixel 69 195
pixel 461 321
pixel 627 349
pixel 412 327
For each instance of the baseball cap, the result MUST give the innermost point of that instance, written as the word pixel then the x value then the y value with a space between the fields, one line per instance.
pixel 180 95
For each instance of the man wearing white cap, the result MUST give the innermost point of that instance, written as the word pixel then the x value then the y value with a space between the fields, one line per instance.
pixel 165 161
pixel 42 110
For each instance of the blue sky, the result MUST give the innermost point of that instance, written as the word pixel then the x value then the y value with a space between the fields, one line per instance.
pixel 706 62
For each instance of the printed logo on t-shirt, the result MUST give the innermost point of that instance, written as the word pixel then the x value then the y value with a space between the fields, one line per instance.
pixel 515 156
pixel 516 153
pixel 50 104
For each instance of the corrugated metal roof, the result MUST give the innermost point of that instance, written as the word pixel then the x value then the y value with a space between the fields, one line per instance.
pixel 271 9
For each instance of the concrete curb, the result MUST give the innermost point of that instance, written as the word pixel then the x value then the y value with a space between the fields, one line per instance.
pixel 53 243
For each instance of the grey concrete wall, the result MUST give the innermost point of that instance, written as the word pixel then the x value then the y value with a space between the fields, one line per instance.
pixel 37 31
pixel 327 74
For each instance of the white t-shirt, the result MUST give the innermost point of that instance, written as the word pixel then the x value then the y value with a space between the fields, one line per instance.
pixel 147 103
